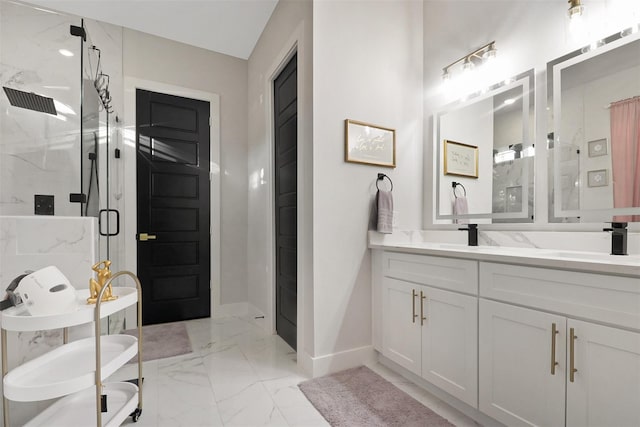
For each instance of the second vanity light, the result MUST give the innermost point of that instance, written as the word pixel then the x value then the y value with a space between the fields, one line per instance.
pixel 469 61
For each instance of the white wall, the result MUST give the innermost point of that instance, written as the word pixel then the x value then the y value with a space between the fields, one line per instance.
pixel 154 58
pixel 366 66
pixel 527 35
pixel 288 30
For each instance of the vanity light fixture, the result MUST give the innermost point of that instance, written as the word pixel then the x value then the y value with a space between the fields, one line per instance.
pixel 575 9
pixel 470 60
pixel 490 53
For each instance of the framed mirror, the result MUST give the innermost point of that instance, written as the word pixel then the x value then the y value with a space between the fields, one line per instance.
pixel 495 130
pixel 594 145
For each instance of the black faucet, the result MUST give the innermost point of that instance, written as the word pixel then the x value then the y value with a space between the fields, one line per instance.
pixel 473 234
pixel 618 238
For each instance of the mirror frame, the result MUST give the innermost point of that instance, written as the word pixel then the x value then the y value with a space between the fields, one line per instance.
pixel 554 70
pixel 525 79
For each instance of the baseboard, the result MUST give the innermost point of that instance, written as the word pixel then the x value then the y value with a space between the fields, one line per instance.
pixel 334 362
pixel 305 362
pixel 469 411
pixel 234 309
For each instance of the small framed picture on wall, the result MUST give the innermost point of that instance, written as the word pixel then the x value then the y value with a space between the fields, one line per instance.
pixel 460 159
pixel 369 144
pixel 597 178
pixel 598 147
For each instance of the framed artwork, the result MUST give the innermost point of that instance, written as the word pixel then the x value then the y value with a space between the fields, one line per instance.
pixel 597 178
pixel 460 159
pixel 597 147
pixel 369 144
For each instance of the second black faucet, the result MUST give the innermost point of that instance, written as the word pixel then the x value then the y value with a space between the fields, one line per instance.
pixel 473 234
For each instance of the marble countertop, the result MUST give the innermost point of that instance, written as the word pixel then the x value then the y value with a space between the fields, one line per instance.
pixel 593 262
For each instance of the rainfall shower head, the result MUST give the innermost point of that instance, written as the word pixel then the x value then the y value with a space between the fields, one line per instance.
pixel 30 101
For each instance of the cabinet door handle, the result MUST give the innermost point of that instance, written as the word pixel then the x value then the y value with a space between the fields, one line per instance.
pixel 414 294
pixel 554 332
pixel 422 317
pixel 572 354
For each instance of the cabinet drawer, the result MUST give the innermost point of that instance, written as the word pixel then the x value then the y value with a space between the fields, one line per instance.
pixel 610 299
pixel 446 273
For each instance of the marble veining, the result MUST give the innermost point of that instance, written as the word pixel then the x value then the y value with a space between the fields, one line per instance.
pixel 590 241
pixel 32 242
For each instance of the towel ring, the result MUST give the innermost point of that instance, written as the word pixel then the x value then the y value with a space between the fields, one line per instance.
pixel 381 177
pixel 456 184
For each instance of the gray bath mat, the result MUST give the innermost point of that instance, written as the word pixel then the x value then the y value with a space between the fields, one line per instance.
pixel 163 340
pixel 360 397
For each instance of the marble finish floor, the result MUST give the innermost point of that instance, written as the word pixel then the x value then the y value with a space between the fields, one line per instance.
pixel 239 376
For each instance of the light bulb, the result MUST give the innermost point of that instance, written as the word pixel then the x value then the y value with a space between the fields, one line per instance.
pixel 490 54
pixel 575 9
pixel 468 65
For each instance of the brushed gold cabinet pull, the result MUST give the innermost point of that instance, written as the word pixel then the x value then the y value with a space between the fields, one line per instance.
pixel 422 318
pixel 414 294
pixel 572 355
pixel 554 332
pixel 143 237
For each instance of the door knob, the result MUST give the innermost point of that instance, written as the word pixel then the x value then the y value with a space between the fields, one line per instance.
pixel 143 237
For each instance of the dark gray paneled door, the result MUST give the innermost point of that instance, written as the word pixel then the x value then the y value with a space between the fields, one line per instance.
pixel 286 196
pixel 173 207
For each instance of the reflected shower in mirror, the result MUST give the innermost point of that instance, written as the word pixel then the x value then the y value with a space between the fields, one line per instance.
pixel 496 128
pixel 595 141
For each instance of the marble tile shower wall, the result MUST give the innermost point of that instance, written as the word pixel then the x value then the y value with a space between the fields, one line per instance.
pixel 39 153
pixel 33 242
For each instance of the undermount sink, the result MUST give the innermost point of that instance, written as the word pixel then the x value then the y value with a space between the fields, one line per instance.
pixel 536 253
pixel 454 246
pixel 591 256
pixel 481 248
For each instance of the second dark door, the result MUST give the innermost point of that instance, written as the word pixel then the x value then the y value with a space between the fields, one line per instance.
pixel 173 207
pixel 286 197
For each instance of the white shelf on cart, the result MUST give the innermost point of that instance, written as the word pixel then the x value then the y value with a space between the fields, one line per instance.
pixel 68 369
pixel 79 409
pixel 18 319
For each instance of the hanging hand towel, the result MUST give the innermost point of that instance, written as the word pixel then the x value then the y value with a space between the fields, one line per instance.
pixel 384 201
pixel 460 207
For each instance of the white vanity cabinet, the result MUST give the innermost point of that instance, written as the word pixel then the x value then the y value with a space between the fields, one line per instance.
pixel 606 384
pixel 426 329
pixel 530 357
pixel 522 337
pixel 516 346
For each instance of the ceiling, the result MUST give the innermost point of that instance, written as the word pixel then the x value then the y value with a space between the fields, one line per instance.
pixel 232 27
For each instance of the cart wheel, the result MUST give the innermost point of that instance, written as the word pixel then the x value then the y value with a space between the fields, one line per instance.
pixel 136 415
